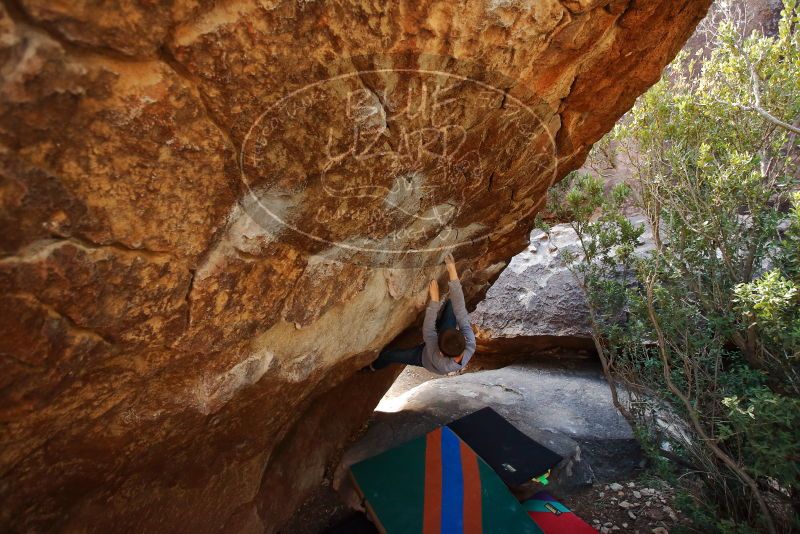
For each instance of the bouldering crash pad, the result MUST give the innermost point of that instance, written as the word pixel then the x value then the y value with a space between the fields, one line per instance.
pixel 553 517
pixel 437 484
pixel 515 457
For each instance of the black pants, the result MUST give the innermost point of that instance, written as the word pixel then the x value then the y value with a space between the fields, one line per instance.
pixel 413 355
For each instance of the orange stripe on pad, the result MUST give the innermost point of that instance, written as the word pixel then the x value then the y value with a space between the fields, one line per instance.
pixel 432 512
pixel 472 491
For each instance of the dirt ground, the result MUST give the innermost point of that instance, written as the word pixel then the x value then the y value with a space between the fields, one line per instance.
pixel 322 510
pixel 642 505
pixel 636 506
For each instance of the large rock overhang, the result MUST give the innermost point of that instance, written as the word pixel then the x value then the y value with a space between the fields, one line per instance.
pixel 189 283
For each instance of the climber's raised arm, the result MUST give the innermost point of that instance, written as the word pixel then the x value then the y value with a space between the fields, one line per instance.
pixel 460 310
pixel 429 334
pixel 450 263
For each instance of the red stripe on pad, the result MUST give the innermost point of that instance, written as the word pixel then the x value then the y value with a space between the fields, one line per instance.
pixel 432 511
pixel 473 520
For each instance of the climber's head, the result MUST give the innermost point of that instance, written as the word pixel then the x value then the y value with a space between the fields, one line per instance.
pixel 452 343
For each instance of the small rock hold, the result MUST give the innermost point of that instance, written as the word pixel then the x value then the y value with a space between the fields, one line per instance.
pixel 631 515
pixel 624 525
pixel 660 530
pixel 615 486
pixel 631 485
pixel 625 504
pixel 636 495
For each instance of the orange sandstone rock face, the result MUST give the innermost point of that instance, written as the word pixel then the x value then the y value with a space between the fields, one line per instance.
pixel 214 214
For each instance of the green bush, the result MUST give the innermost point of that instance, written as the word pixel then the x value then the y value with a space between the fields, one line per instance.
pixel 708 323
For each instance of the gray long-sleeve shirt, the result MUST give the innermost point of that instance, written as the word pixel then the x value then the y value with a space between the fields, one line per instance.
pixel 432 359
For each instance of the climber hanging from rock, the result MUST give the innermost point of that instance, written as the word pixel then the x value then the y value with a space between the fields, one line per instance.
pixel 449 340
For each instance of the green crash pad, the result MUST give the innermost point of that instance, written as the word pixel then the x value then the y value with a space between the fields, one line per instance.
pixel 436 484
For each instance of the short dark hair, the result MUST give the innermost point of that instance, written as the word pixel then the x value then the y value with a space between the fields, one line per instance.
pixel 452 343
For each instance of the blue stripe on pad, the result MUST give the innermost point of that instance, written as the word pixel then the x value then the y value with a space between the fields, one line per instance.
pixel 452 484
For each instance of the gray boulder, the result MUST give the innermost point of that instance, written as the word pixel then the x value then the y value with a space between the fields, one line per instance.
pixel 536 294
pixel 536 306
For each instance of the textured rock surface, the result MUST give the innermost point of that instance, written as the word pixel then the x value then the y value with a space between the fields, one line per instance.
pixel 174 355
